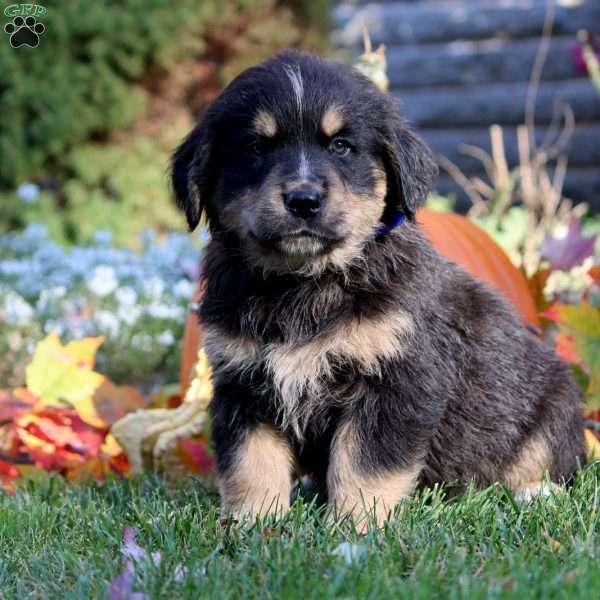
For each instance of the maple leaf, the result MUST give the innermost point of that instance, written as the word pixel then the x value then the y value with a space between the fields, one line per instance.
pixel 112 402
pixel 8 474
pixel 566 252
pixel 592 444
pixel 14 404
pixel 58 440
pixel 60 373
pixel 61 421
pixel 579 331
pixel 565 348
pixel 195 457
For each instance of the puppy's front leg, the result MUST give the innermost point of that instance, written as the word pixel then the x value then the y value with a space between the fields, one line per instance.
pixel 360 484
pixel 255 473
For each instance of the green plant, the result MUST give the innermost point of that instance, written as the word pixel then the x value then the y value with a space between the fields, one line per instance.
pixel 120 187
pixel 82 79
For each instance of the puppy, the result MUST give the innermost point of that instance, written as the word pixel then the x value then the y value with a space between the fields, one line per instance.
pixel 344 346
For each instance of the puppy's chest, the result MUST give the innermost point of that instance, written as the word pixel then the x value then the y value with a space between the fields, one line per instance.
pixel 303 375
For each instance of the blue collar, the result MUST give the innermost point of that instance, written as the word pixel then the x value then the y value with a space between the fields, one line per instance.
pixel 396 221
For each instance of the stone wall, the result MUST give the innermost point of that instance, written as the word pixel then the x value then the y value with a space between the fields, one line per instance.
pixel 459 66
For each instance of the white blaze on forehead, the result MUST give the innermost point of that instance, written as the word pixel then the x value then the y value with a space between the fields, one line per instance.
pixel 304 169
pixel 295 77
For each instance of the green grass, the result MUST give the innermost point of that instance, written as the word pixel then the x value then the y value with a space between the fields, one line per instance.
pixel 61 541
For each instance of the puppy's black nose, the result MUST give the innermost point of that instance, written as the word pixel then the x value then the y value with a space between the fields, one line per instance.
pixel 304 202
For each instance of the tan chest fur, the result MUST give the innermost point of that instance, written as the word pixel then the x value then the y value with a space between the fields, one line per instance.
pixel 301 373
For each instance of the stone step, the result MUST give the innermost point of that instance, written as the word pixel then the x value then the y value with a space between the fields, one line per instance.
pixel 583 149
pixel 483 61
pixel 580 185
pixel 398 23
pixel 504 103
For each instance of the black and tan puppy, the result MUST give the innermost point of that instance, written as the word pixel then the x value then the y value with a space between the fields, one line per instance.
pixel 343 347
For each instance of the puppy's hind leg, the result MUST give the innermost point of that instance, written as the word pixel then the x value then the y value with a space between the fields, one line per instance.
pixel 549 458
pixel 529 475
pixel 540 489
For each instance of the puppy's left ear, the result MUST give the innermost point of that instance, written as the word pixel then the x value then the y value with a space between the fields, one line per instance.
pixel 190 174
pixel 411 168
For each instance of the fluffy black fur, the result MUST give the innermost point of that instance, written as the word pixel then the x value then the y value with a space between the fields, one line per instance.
pixel 472 386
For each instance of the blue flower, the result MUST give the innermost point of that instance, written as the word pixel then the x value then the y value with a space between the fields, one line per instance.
pixel 103 281
pixel 28 192
pixel 36 231
pixel 103 237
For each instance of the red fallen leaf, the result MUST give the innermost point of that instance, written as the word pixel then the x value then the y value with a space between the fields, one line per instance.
pixel 99 467
pixel 551 314
pixel 64 426
pixel 195 457
pixel 9 442
pixel 166 397
pixel 8 474
pixel 594 273
pixel 120 464
pixel 50 428
pixel 8 471
pixel 174 401
pixel 12 405
pixel 57 459
pixel 96 468
pixel 57 439
pixel 112 402
pixel 581 323
pixel 593 415
pixel 565 348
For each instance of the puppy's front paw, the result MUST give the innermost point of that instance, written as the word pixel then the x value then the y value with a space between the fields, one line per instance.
pixel 368 497
pixel 365 517
pixel 248 511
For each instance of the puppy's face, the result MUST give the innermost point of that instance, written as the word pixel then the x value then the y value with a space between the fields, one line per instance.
pixel 303 161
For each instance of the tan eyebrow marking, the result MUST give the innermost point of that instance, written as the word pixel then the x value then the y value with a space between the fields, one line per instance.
pixel 265 124
pixel 332 121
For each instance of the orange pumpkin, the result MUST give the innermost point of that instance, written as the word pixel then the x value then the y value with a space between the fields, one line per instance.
pixel 192 338
pixel 455 237
pixel 467 244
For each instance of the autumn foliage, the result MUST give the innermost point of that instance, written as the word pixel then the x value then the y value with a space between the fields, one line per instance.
pixel 60 421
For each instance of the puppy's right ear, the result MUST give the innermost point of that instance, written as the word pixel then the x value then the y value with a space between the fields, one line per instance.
pixel 190 174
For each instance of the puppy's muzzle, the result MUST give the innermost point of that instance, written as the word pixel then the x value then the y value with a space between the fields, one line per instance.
pixel 304 201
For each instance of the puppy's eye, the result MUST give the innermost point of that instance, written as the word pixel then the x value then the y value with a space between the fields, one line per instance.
pixel 340 146
pixel 257 147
